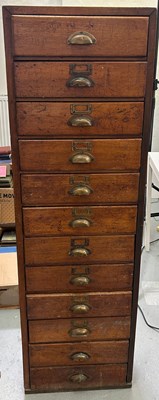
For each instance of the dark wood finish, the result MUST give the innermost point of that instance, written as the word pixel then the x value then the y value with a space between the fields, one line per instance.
pixel 57 250
pixel 123 84
pixel 60 305
pixel 17 193
pixel 59 330
pixel 118 36
pixel 145 148
pixel 48 355
pixel 58 220
pixel 41 190
pixel 111 79
pixel 51 119
pixel 32 10
pixel 61 279
pixel 56 155
pixel 58 378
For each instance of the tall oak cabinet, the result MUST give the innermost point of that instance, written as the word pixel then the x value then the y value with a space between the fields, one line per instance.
pixel 80 85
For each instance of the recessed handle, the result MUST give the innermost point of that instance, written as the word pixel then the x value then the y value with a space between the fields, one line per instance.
pixel 81 158
pixel 80 223
pixel 80 280
pixel 80 357
pixel 80 81
pixel 81 38
pixel 80 308
pixel 80 190
pixel 76 332
pixel 80 120
pixel 78 378
pixel 79 252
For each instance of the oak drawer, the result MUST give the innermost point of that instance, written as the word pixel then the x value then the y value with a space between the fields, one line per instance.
pixel 78 329
pixel 78 250
pixel 48 355
pixel 47 306
pixel 79 278
pixel 52 36
pixel 55 221
pixel 49 189
pixel 81 156
pixel 101 79
pixel 58 119
pixel 77 378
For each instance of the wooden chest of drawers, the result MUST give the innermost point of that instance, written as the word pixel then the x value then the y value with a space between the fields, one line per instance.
pixel 80 84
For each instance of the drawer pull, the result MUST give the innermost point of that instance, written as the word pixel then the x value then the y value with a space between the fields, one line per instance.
pixel 81 190
pixel 80 223
pixel 80 121
pixel 79 332
pixel 81 38
pixel 80 281
pixel 80 357
pixel 78 378
pixel 80 308
pixel 79 252
pixel 80 81
pixel 81 158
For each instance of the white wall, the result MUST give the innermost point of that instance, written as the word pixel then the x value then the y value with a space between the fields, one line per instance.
pixel 101 3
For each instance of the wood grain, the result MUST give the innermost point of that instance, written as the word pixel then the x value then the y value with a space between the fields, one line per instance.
pixel 61 279
pixel 115 36
pixel 48 355
pixel 49 190
pixel 42 221
pixel 17 192
pixel 101 304
pixel 118 79
pixel 111 79
pixel 58 378
pixel 59 330
pixel 51 118
pixel 37 10
pixel 146 147
pixel 57 250
pixel 56 155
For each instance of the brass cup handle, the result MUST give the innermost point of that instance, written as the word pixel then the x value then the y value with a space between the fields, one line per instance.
pixel 81 38
pixel 80 81
pixel 79 332
pixel 80 357
pixel 80 281
pixel 79 252
pixel 80 223
pixel 81 158
pixel 80 308
pixel 80 190
pixel 78 378
pixel 80 120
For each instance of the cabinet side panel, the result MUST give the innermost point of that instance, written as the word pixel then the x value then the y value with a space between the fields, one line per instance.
pixel 17 191
pixel 147 127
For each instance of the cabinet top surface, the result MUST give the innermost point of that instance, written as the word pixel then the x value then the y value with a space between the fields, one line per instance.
pixel 60 10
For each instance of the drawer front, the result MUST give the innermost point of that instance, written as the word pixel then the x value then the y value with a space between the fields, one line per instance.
pixel 79 278
pixel 78 250
pixel 79 119
pixel 48 355
pixel 72 305
pixel 79 36
pixel 81 156
pixel 48 190
pixel 96 79
pixel 75 330
pixel 79 220
pixel 77 378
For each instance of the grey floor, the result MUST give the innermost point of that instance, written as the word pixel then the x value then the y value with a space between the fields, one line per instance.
pixel 146 365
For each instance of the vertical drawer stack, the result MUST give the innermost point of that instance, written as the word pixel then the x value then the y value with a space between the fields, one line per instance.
pixel 80 87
